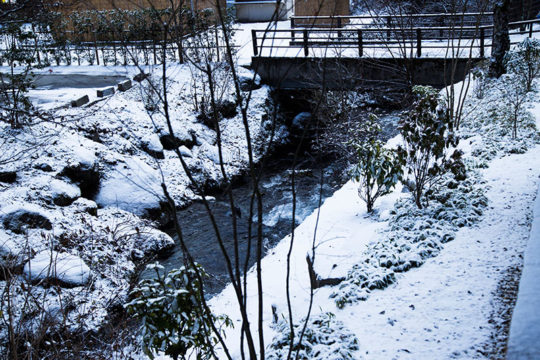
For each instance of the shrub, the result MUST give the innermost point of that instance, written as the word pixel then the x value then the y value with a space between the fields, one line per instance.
pixel 378 169
pixel 172 314
pixel 428 133
pixel 524 61
pixel 325 338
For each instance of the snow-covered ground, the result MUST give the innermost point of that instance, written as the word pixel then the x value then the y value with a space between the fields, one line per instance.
pixel 444 309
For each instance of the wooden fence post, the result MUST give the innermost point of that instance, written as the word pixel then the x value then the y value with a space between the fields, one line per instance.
pixel 96 47
pixel 482 38
pixel 388 25
pixel 306 50
pixel 254 42
pixel 418 42
pixel 360 44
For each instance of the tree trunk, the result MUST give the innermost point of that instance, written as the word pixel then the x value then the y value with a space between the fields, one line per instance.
pixel 501 39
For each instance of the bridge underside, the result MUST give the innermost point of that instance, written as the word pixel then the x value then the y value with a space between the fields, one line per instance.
pixel 359 73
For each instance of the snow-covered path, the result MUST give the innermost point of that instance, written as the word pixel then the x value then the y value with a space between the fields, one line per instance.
pixel 443 308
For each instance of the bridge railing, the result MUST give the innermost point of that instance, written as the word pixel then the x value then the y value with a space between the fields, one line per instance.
pixel 392 20
pixel 406 40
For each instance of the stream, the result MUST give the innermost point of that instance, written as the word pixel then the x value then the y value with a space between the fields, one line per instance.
pixel 315 182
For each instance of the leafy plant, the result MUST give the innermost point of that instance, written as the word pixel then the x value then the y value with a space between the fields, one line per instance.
pixel 524 61
pixel 173 318
pixel 428 134
pixel 378 169
pixel 325 338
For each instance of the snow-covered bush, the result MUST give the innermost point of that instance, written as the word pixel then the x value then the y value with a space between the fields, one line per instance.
pixel 414 235
pixel 378 169
pixel 524 61
pixel 325 338
pixel 515 97
pixel 428 135
pixel 172 313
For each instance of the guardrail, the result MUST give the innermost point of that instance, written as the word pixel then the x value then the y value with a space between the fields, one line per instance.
pixel 389 20
pixel 383 37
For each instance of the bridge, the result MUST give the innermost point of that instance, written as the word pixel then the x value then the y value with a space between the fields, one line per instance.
pixel 349 52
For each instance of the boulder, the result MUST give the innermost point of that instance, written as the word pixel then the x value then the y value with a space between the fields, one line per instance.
pixel 85 206
pixel 63 194
pixel 44 167
pixel 149 242
pixel 248 81
pixel 19 219
pixel 170 142
pixel 8 177
pixel 184 151
pixel 83 171
pixel 132 186
pixel 61 269
pixel 153 147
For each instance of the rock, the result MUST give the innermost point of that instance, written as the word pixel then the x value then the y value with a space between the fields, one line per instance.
pixel 8 177
pixel 63 194
pixel 132 186
pixel 170 142
pixel 44 167
pixel 19 219
pixel 61 269
pixel 184 151
pixel 300 121
pixel 140 77
pixel 83 170
pixel 248 81
pixel 125 85
pixel 85 206
pixel 227 109
pixel 149 242
pixel 153 147
pixel 80 101
pixel 105 92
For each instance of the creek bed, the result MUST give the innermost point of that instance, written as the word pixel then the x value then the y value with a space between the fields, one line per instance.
pixel 315 182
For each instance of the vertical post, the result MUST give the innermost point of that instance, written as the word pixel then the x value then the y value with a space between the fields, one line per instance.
pixel 217 43
pixel 292 22
pixel 96 47
pixel 254 42
pixel 339 26
pixel 530 30
pixel 36 44
pixel 482 38
pixel 154 44
pixel 388 25
pixel 418 43
pixel 306 50
pixel 360 43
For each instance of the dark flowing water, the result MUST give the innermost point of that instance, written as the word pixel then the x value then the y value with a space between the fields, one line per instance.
pixel 315 182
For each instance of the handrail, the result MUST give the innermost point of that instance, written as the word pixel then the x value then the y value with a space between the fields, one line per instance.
pixel 413 36
pixel 339 18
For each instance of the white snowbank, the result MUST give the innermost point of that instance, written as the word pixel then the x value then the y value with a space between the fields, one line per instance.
pixel 69 270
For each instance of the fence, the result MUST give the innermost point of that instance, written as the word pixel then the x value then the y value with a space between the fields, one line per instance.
pixel 114 48
pixel 385 38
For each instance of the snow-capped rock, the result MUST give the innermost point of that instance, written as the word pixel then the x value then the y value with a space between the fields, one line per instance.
pixel 65 269
pixel 134 186
pixel 20 218
pixel 63 193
